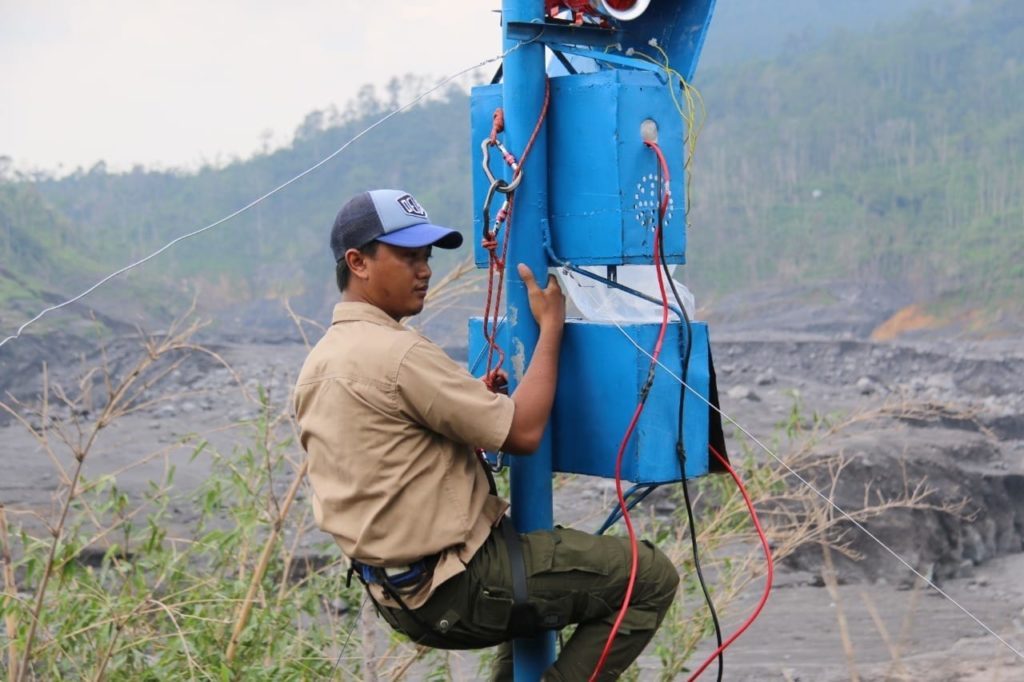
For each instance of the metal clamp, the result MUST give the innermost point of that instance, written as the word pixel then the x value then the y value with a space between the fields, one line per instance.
pixel 499 462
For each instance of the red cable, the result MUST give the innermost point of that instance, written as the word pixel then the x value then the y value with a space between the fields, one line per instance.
pixel 665 195
pixel 634 550
pixel 746 497
pixel 768 556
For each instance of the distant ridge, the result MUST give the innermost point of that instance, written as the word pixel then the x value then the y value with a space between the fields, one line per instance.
pixel 889 156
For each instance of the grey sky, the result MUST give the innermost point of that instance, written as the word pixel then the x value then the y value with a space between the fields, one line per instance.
pixel 176 83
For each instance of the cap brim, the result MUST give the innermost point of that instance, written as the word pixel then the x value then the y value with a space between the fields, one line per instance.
pixel 423 234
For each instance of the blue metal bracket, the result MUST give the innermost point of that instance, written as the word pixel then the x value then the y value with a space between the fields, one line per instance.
pixel 614 58
pixel 679 27
pixel 563 33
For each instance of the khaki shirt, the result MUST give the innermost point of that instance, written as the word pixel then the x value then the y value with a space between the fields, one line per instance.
pixel 389 423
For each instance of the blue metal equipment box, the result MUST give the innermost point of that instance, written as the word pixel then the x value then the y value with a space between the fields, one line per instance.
pixel 600 377
pixel 603 182
pixel 603 191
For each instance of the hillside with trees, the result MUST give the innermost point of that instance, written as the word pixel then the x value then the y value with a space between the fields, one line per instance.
pixel 279 247
pixel 745 30
pixel 38 249
pixel 893 156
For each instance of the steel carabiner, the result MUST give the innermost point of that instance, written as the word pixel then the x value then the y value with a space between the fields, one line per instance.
pixel 496 186
pixel 517 177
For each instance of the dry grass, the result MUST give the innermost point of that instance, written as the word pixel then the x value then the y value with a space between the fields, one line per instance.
pixel 239 595
pixel 794 516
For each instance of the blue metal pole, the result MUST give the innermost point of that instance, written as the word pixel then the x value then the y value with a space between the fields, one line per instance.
pixel 523 98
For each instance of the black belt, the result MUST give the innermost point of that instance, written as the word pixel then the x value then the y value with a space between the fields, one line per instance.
pixel 405 582
pixel 523 618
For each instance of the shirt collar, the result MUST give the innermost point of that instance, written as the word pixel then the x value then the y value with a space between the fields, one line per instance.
pixel 353 311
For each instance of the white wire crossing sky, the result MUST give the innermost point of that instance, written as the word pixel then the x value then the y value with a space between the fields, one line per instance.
pixel 176 83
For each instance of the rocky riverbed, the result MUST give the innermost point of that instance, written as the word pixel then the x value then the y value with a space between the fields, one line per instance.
pixel 947 413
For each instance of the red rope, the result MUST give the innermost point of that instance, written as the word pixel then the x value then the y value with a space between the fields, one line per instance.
pixel 496 263
pixel 497 124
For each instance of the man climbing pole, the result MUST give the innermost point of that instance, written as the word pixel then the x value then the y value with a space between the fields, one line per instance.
pixel 390 423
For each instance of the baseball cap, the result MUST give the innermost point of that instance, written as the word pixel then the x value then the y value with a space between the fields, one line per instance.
pixel 390 216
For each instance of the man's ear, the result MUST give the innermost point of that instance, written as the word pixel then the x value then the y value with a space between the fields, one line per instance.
pixel 356 261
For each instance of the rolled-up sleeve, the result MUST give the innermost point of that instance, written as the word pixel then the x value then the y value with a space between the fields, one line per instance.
pixel 441 395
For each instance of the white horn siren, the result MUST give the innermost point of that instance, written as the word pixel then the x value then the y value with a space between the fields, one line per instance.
pixel 623 10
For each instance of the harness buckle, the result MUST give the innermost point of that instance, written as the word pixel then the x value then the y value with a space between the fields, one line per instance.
pixel 404 579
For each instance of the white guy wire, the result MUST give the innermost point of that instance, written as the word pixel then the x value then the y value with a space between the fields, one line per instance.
pixel 254 202
pixel 800 478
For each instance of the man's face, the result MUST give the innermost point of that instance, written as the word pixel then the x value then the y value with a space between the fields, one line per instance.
pixel 397 279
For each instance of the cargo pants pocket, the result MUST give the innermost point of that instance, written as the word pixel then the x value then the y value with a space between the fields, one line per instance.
pixel 564 549
pixel 572 575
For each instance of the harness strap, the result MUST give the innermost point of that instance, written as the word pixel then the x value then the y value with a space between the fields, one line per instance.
pixel 406 582
pixel 482 458
pixel 523 618
pixel 426 627
pixel 354 569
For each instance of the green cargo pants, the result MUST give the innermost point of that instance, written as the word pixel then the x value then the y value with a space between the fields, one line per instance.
pixel 572 577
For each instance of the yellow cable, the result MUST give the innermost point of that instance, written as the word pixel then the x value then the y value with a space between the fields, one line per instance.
pixel 692 119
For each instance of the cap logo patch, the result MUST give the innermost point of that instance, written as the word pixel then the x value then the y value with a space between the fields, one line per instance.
pixel 411 206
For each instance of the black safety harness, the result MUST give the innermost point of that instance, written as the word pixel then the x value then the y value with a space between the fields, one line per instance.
pixel 522 618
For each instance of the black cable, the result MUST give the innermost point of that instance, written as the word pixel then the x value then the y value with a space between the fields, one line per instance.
pixel 684 354
pixel 610 283
pixel 685 358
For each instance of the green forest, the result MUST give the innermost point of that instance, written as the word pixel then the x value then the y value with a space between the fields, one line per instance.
pixel 893 156
pixel 896 156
